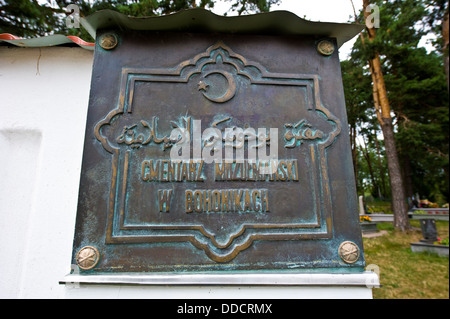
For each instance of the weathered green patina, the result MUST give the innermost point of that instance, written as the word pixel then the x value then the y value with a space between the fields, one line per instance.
pixel 201 85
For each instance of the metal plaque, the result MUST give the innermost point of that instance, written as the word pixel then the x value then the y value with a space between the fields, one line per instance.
pixel 216 152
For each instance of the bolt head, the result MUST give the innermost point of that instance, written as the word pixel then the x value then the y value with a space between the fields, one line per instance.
pixel 108 41
pixel 87 257
pixel 325 47
pixel 349 252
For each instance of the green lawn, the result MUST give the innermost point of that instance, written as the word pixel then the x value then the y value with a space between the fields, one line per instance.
pixel 403 274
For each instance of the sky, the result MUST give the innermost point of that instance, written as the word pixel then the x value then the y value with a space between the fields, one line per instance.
pixel 322 10
pixel 314 10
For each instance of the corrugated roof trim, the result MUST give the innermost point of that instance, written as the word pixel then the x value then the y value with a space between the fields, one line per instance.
pixel 47 41
pixel 202 20
pixel 197 20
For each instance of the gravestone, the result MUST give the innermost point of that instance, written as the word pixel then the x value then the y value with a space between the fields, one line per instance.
pixel 430 236
pixel 362 211
pixel 217 145
pixel 429 231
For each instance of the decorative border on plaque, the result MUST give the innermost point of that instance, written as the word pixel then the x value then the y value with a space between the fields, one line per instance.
pixel 196 234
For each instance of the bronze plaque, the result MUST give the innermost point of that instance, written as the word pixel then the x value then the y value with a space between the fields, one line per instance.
pixel 215 152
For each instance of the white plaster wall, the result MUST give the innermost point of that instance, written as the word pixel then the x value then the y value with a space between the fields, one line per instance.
pixel 43 102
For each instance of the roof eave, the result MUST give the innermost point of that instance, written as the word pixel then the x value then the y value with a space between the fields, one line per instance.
pixel 201 20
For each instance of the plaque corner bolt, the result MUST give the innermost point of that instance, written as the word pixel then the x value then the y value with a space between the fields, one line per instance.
pixel 108 41
pixel 87 257
pixel 325 47
pixel 349 252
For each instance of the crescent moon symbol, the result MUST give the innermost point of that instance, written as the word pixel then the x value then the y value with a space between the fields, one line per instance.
pixel 231 91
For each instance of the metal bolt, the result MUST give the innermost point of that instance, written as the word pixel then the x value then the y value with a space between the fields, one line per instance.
pixel 325 47
pixel 108 41
pixel 87 257
pixel 349 252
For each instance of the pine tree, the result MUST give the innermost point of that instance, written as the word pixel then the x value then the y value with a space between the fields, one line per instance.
pixel 416 92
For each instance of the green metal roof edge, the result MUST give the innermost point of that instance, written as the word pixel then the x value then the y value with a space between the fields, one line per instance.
pixel 47 41
pixel 202 20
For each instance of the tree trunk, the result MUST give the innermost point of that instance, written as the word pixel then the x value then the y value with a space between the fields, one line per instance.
pixel 399 206
pixel 445 33
pixel 354 153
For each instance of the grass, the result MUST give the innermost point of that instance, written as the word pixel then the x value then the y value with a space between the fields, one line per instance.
pixel 404 274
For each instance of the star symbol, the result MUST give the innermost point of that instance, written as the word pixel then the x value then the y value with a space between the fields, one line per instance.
pixel 202 86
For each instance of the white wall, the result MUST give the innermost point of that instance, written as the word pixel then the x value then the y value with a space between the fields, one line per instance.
pixel 44 97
